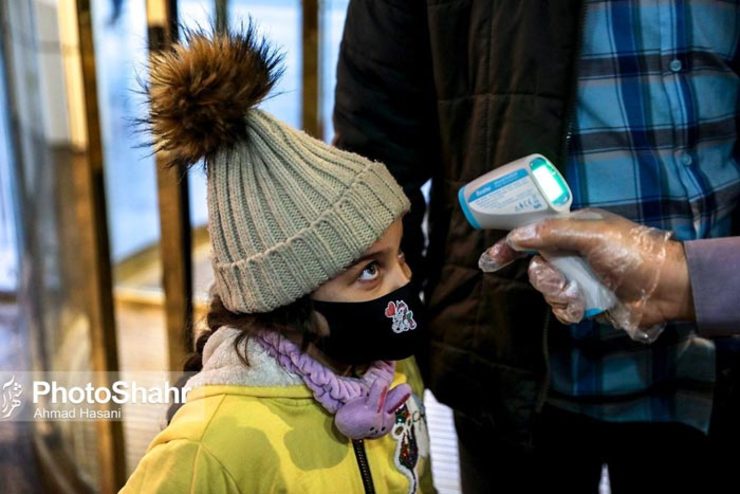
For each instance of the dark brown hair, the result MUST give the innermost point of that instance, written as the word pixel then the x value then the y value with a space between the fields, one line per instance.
pixel 296 317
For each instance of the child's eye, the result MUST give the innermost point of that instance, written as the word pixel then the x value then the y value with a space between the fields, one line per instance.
pixel 370 272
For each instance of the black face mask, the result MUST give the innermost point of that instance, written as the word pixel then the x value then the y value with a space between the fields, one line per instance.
pixel 387 328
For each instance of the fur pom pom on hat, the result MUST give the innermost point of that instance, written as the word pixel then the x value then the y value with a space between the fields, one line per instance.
pixel 201 90
pixel 286 212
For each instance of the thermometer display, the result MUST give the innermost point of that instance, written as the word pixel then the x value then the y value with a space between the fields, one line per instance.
pixel 550 186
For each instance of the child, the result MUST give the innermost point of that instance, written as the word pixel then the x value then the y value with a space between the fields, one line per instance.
pixel 311 306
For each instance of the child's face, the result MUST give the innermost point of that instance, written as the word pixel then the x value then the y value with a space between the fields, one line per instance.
pixel 381 270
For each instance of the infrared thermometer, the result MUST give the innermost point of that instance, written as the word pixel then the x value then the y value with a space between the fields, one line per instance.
pixel 525 191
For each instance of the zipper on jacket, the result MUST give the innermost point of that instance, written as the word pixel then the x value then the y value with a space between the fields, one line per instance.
pixel 570 115
pixel 546 348
pixel 573 97
pixel 362 463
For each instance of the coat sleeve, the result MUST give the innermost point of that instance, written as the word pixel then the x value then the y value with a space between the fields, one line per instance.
pixel 385 100
pixel 714 269
pixel 178 467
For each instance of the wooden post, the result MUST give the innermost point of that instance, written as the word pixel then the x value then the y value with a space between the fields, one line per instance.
pixel 222 15
pixel 311 71
pixel 102 321
pixel 174 213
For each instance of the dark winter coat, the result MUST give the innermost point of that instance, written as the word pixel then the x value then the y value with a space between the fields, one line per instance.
pixel 447 90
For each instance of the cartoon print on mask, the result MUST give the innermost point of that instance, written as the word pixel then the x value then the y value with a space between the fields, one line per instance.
pixel 412 440
pixel 403 318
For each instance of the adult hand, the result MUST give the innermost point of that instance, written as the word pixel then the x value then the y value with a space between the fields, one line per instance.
pixel 644 268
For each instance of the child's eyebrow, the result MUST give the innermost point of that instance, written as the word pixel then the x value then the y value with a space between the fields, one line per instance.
pixel 370 255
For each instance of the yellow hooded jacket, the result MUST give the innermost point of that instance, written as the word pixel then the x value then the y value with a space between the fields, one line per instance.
pixel 258 429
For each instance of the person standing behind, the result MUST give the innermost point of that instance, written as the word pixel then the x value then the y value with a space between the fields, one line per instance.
pixel 636 101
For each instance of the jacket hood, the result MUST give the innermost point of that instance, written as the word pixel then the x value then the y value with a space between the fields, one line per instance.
pixel 222 366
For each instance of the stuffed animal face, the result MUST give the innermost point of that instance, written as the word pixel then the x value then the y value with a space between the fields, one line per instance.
pixel 372 415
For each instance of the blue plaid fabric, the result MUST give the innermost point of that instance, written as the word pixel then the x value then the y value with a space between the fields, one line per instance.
pixel 653 139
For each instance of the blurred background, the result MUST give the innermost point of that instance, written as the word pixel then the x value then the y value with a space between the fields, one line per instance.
pixel 104 257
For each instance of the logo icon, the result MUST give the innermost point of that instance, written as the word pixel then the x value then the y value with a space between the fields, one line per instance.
pixel 403 318
pixel 10 394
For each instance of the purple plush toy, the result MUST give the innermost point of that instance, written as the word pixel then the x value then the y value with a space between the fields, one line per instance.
pixel 363 407
pixel 371 415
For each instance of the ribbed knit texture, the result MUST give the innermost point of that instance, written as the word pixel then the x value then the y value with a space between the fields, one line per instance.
pixel 328 388
pixel 288 212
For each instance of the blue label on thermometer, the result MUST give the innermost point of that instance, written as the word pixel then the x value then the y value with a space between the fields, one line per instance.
pixel 512 193
pixel 494 185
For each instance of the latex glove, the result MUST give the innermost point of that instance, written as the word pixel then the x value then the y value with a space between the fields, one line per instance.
pixel 373 414
pixel 644 268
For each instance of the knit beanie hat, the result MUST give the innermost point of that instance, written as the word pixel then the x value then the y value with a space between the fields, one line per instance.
pixel 286 212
